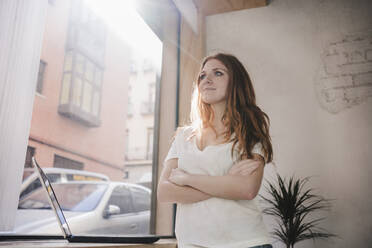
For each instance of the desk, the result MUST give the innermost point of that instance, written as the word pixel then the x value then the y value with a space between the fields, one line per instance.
pixel 166 243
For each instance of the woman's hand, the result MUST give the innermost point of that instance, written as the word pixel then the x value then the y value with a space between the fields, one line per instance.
pixel 245 167
pixel 178 176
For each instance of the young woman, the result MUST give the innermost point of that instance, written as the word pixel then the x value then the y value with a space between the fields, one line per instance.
pixel 215 166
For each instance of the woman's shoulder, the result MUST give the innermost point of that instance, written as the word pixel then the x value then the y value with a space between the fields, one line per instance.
pixel 185 132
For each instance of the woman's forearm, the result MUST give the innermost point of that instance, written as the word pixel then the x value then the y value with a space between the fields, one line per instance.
pixel 170 192
pixel 228 186
pixel 242 182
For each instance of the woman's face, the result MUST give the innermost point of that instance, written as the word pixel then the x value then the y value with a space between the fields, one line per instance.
pixel 213 82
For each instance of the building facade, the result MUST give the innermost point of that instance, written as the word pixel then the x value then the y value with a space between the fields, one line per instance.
pixel 80 108
pixel 140 123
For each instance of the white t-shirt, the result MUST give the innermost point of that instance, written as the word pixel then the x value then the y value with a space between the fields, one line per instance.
pixel 216 222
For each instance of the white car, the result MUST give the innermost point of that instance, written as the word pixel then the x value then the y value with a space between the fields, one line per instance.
pixel 32 181
pixel 90 208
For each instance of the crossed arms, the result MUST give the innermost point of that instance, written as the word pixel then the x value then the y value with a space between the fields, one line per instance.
pixel 242 182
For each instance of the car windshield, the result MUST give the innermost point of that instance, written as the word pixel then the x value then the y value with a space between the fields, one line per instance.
pixel 77 197
pixel 26 173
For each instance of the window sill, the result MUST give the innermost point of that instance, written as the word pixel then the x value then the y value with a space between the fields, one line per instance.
pixel 165 243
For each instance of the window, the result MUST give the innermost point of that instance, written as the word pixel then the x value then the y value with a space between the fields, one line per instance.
pixel 130 109
pixel 81 89
pixel 150 139
pixel 91 88
pixel 126 144
pixel 133 67
pixel 40 77
pixel 141 199
pixel 29 154
pixel 147 65
pixel 121 198
pixel 31 187
pixel 35 183
pixel 62 162
pixel 148 106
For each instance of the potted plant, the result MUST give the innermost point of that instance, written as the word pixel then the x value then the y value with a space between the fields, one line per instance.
pixel 291 205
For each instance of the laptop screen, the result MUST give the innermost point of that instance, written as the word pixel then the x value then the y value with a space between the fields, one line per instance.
pixel 53 200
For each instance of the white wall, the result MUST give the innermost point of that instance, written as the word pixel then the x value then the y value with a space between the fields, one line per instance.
pixel 311 65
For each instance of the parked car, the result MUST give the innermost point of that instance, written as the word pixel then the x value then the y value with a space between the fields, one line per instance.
pixel 90 208
pixel 32 181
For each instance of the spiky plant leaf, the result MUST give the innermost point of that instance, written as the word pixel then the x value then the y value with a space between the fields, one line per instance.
pixel 291 205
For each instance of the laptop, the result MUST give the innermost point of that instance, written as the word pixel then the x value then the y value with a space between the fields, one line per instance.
pixel 66 231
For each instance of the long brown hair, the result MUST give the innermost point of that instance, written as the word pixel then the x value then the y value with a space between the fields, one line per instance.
pixel 246 123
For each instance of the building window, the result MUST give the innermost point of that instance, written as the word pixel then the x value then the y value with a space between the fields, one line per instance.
pixel 133 67
pixel 126 144
pixel 150 141
pixel 148 106
pixel 81 89
pixel 40 77
pixel 147 65
pixel 130 103
pixel 152 93
pixel 29 154
pixel 62 162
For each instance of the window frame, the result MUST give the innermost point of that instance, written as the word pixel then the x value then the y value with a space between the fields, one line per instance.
pixel 157 124
pixel 40 77
pixel 65 159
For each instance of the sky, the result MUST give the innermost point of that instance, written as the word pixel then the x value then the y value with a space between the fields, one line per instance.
pixel 122 18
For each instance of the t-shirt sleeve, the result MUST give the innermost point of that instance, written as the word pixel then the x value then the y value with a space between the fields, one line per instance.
pixel 173 151
pixel 258 150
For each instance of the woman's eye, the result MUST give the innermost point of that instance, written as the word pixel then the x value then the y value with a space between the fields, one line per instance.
pixel 218 73
pixel 202 76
